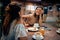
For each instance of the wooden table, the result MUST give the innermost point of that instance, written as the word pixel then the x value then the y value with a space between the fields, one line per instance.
pixel 49 35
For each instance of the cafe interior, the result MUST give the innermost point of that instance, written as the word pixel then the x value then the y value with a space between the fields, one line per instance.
pixel 46 27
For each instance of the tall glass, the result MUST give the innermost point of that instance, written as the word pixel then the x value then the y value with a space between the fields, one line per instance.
pixel 42 31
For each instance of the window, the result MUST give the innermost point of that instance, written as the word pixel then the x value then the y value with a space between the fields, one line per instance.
pixel 31 7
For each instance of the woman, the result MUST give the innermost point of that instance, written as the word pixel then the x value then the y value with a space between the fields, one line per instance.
pixel 13 28
pixel 36 17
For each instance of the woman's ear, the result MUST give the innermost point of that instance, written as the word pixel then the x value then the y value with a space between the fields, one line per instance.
pixel 19 13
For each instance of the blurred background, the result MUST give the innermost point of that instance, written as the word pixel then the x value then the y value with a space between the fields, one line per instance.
pixel 52 7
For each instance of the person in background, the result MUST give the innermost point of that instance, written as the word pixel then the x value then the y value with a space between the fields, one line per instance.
pixel 36 17
pixel 45 13
pixel 13 26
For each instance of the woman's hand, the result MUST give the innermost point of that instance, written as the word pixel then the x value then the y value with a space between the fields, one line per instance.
pixel 26 25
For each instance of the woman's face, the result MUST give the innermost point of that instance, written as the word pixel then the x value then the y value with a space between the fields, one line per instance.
pixel 38 11
pixel 20 14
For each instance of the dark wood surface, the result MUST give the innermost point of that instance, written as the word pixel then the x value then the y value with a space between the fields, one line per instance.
pixel 49 35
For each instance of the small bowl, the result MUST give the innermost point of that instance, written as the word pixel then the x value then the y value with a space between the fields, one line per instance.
pixel 37 35
pixel 58 32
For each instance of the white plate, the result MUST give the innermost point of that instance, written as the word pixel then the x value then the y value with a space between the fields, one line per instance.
pixel 33 29
pixel 57 31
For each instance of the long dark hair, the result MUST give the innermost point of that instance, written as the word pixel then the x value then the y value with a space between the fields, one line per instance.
pixel 37 16
pixel 12 14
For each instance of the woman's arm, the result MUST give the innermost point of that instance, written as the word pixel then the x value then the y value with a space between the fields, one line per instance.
pixel 25 16
pixel 40 20
pixel 25 19
pixel 43 18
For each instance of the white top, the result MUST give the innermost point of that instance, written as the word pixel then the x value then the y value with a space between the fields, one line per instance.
pixel 20 31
